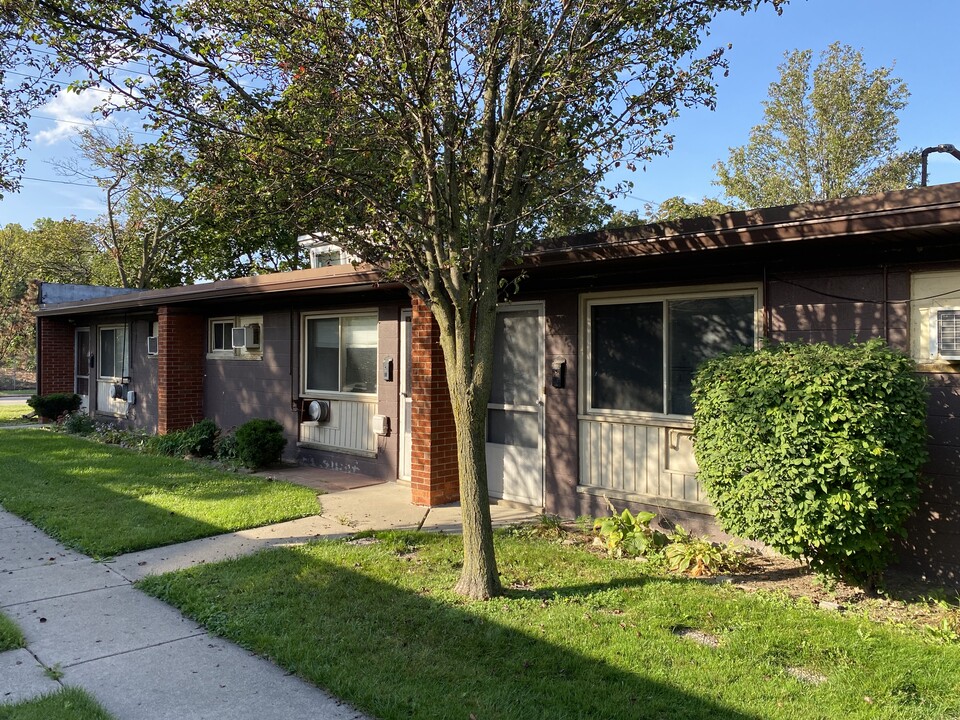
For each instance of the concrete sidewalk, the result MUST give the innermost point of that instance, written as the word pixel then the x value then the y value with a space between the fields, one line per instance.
pixel 141 658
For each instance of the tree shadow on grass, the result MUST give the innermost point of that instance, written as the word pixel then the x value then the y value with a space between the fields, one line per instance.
pixel 398 653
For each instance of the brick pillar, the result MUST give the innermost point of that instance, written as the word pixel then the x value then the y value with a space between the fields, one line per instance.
pixel 434 479
pixel 180 363
pixel 55 347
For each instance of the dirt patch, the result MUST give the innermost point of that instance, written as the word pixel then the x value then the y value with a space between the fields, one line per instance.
pixel 902 601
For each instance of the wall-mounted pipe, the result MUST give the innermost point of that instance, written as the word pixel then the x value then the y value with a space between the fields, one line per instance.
pixel 945 148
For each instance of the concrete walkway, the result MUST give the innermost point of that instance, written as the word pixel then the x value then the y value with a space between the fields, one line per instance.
pixel 87 626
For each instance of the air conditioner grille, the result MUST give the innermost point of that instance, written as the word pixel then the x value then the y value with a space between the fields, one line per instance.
pixel 948 333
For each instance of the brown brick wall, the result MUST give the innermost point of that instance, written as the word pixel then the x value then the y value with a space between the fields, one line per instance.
pixel 55 339
pixel 434 477
pixel 180 364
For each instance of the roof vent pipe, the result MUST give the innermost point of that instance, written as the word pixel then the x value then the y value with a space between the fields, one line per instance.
pixel 946 148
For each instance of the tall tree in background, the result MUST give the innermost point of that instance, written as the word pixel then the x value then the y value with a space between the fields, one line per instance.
pixel 435 139
pixel 146 230
pixel 63 251
pixel 828 132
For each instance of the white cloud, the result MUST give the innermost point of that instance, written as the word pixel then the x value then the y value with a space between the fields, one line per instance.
pixel 68 108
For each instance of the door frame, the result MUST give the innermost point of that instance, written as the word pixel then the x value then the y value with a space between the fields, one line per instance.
pixel 405 395
pixel 85 399
pixel 539 307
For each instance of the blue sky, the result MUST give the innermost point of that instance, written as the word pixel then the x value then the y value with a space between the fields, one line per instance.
pixel 920 37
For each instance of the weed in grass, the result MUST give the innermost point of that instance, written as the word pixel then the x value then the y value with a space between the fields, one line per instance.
pixel 67 704
pixel 10 636
pixel 584 523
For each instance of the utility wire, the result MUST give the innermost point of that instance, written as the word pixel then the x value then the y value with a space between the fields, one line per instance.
pixel 58 182
pixel 90 124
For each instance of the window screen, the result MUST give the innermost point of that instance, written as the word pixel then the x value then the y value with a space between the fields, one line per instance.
pixel 627 362
pixel 633 343
pixel 341 354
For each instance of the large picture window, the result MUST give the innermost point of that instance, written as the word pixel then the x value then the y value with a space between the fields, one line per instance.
pixel 643 352
pixel 340 354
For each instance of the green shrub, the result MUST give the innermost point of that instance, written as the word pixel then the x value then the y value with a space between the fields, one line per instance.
pixel 259 442
pixel 814 450
pixel 78 423
pixel 199 439
pixel 697 556
pixel 226 447
pixel 627 534
pixel 54 405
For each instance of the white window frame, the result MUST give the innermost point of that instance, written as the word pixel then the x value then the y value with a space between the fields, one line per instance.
pixel 125 367
pixel 314 393
pixel 153 331
pixel 228 352
pixel 588 302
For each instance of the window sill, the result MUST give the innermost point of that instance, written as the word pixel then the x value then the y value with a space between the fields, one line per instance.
pixel 653 500
pixel 334 448
pixel 671 421
pixel 231 356
pixel 331 395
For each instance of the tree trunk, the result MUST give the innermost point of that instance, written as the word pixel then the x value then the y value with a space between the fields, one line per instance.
pixel 466 337
pixel 479 578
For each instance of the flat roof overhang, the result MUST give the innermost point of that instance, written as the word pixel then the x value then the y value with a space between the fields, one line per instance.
pixel 906 219
pixel 335 280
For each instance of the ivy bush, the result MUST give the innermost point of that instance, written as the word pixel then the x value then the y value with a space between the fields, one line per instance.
pixel 54 405
pixel 259 443
pixel 198 440
pixel 814 450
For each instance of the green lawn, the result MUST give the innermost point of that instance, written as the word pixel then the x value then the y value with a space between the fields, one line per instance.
pixel 105 500
pixel 13 414
pixel 577 636
pixel 68 704
pixel 10 636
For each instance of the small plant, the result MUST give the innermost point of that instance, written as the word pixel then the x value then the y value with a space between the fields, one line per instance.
pixel 628 534
pixel 698 557
pixel 54 673
pixel 226 448
pixel 548 525
pixel 54 405
pixel 199 440
pixel 584 523
pixel 260 442
pixel 78 423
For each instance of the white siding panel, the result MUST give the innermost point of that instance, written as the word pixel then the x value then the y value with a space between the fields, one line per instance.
pixel 349 427
pixel 631 458
pixel 104 404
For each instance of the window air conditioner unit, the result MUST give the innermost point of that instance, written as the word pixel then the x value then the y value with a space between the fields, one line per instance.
pixel 946 330
pixel 317 411
pixel 246 337
pixel 153 345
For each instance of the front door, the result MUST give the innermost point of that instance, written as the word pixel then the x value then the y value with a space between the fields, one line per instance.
pixel 406 397
pixel 515 412
pixel 81 374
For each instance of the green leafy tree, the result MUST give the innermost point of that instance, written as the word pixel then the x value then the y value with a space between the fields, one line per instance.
pixel 63 251
pixel 24 86
pixel 828 132
pixel 147 227
pixel 436 140
pixel 679 208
